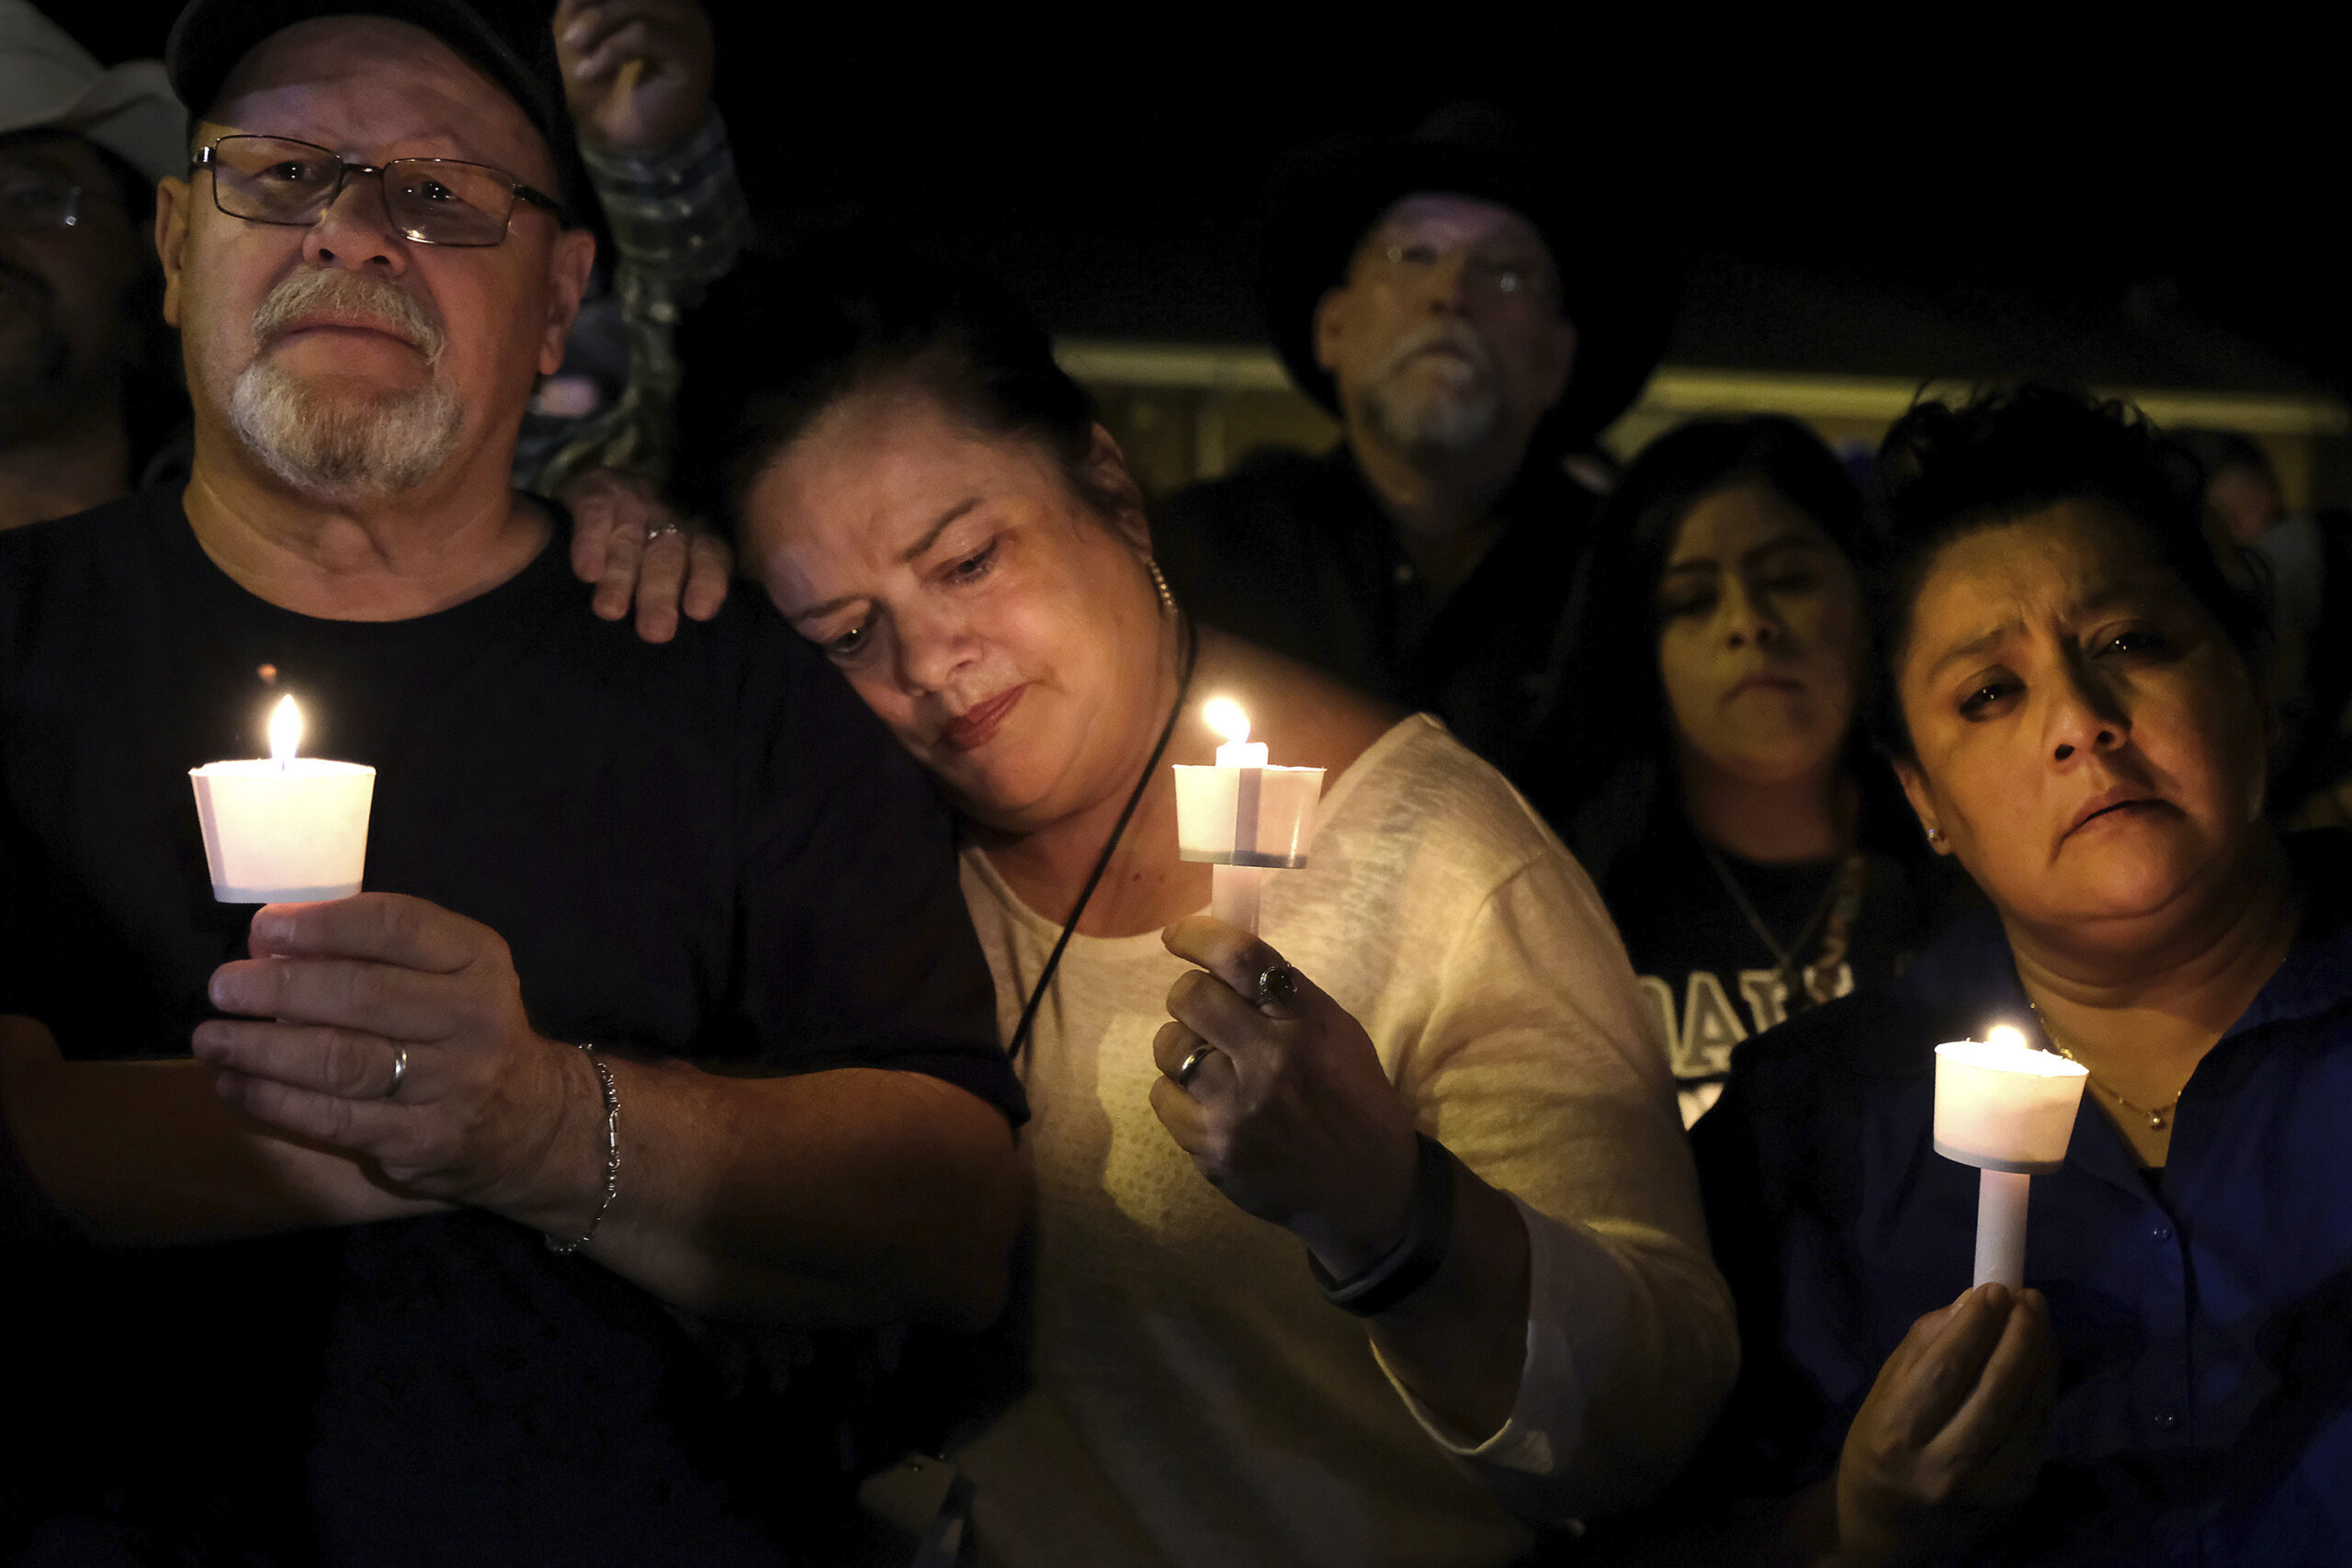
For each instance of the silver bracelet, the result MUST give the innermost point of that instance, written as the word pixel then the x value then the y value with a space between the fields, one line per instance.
pixel 612 1153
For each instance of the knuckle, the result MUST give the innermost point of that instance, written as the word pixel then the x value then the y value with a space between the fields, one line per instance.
pixel 349 1068
pixel 364 987
pixel 334 1121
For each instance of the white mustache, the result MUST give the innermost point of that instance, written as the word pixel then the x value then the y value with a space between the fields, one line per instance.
pixel 350 294
pixel 1440 334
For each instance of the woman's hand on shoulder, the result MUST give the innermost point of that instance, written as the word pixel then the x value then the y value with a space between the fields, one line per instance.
pixel 1951 1435
pixel 633 545
pixel 1289 1113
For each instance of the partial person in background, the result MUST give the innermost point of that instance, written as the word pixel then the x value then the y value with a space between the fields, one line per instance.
pixel 2076 720
pixel 2305 564
pixel 1456 303
pixel 1755 852
pixel 89 379
pixel 636 77
pixel 1437 1020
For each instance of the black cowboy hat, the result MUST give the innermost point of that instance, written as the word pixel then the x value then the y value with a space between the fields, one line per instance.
pixel 1618 286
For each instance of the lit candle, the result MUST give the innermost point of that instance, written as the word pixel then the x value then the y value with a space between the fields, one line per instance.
pixel 2007 1109
pixel 1243 816
pixel 283 829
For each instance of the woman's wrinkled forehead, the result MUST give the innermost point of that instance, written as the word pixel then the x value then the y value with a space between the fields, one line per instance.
pixel 2065 561
pixel 872 474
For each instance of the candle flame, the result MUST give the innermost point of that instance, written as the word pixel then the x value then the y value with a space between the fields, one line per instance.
pixel 2007 1037
pixel 1224 715
pixel 285 731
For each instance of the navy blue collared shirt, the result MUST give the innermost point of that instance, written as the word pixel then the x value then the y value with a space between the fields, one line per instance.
pixel 2202 1313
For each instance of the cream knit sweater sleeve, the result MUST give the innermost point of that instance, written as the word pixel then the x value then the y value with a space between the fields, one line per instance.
pixel 1525 1051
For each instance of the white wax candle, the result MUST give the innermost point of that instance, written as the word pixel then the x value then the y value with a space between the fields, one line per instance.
pixel 2000 1227
pixel 1243 816
pixel 284 829
pixel 1235 889
pixel 2008 1110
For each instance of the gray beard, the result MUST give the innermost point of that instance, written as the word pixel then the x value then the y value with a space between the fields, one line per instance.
pixel 388 445
pixel 1436 427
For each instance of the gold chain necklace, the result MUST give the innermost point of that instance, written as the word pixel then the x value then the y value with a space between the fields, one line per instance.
pixel 2159 1116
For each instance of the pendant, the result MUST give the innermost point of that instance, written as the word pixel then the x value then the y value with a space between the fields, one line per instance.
pixel 2156 1120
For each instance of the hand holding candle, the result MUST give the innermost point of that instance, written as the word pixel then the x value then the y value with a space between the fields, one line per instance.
pixel 1243 816
pixel 284 829
pixel 2007 1109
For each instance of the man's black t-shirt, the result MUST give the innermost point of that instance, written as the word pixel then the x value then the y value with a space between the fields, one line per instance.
pixel 706 850
pixel 1297 555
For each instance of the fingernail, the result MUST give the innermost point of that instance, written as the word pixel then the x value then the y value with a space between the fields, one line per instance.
pixel 272 926
pixel 227 990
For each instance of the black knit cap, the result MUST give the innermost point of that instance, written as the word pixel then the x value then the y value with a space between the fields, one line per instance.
pixel 512 41
pixel 1617 287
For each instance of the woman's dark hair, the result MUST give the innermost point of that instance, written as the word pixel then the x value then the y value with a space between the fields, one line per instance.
pixel 1644 517
pixel 1946 471
pixel 781 342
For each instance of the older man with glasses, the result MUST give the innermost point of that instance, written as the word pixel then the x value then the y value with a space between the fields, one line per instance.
pixel 412 1226
pixel 1475 316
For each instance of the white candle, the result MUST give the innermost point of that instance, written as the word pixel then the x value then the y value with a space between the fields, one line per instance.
pixel 2009 1110
pixel 284 829
pixel 1243 816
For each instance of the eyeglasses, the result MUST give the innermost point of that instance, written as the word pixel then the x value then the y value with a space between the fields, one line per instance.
pixel 433 201
pixel 32 202
pixel 1414 261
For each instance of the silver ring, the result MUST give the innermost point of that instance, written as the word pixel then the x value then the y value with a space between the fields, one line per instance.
pixel 1192 1064
pixel 399 1071
pixel 663 530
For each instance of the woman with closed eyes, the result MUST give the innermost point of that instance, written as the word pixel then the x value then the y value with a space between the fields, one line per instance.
pixel 1756 856
pixel 1367 1238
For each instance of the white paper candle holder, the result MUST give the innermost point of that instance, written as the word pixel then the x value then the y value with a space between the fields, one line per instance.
pixel 1242 816
pixel 284 829
pixel 1254 817
pixel 2010 1112
pixel 289 834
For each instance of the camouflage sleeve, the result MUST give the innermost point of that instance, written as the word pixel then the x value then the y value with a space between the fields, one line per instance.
pixel 678 219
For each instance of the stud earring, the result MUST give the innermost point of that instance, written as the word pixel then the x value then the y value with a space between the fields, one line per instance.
pixel 1935 835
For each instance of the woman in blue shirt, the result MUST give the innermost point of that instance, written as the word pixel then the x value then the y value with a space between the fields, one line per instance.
pixel 2071 713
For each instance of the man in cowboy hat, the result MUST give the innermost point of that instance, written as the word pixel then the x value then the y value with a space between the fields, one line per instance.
pixel 87 387
pixel 1439 296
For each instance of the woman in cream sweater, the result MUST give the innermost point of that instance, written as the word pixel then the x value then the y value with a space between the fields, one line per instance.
pixel 1431 1076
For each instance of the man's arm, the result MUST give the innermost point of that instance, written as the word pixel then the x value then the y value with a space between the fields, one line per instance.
pixel 853 1193
pixel 849 1195
pixel 146 1153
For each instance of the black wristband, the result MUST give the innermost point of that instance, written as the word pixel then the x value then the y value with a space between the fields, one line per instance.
pixel 1412 1262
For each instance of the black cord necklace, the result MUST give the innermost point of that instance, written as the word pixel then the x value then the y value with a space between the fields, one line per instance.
pixel 1103 862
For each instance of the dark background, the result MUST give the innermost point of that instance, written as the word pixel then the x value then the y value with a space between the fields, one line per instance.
pixel 1976 201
